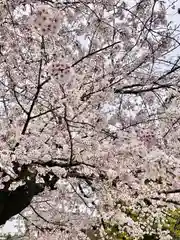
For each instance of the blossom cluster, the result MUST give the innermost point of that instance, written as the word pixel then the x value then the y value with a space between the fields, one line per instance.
pixel 60 69
pixel 45 21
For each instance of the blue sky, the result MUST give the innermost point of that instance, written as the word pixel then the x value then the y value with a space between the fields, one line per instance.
pixel 173 11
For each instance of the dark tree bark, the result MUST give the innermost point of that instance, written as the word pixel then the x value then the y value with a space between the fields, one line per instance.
pixel 13 202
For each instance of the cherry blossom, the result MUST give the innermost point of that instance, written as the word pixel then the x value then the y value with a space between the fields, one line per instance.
pixel 89 117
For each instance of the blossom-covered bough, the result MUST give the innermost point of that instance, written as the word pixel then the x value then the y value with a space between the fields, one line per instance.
pixel 89 118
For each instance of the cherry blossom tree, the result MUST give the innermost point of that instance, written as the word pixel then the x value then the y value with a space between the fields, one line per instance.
pixel 89 118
